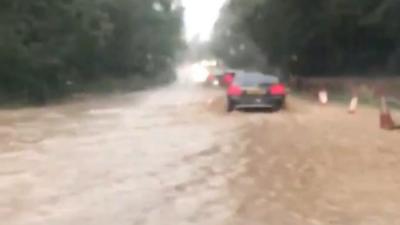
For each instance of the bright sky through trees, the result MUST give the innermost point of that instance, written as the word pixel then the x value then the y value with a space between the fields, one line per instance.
pixel 200 17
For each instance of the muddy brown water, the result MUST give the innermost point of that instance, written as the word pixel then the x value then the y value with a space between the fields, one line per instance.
pixel 172 156
pixel 155 157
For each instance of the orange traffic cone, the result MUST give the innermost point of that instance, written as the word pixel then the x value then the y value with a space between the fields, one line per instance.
pixel 386 121
pixel 323 96
pixel 353 105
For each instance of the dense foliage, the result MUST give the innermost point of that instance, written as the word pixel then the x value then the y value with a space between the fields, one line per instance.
pixel 311 37
pixel 47 47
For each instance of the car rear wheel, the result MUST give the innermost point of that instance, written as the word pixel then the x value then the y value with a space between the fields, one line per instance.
pixel 279 106
pixel 230 106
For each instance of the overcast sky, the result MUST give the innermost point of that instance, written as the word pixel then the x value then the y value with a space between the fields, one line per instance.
pixel 200 17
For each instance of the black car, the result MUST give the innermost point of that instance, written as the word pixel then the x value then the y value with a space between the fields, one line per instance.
pixel 255 90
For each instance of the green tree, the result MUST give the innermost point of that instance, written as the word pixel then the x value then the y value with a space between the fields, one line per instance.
pixel 323 36
pixel 45 45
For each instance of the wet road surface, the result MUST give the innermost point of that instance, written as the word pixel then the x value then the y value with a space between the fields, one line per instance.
pixel 172 156
pixel 155 157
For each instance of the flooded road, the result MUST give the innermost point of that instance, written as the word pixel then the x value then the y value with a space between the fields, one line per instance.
pixel 172 156
pixel 155 157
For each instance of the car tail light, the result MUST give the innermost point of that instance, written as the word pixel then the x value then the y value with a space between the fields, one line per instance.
pixel 234 90
pixel 277 89
pixel 228 78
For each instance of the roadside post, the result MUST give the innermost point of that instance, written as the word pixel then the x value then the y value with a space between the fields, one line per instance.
pixel 323 96
pixel 386 121
pixel 354 101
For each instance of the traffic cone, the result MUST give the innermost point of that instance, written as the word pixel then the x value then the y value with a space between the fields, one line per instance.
pixel 386 121
pixel 323 96
pixel 353 105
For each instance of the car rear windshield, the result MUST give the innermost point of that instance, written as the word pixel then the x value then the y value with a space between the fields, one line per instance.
pixel 255 79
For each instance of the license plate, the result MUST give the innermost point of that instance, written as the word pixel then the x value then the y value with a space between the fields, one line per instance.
pixel 255 91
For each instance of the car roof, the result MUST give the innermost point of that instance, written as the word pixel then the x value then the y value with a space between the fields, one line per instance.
pixel 234 71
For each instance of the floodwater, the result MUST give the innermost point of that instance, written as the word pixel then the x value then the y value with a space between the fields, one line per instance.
pixel 172 156
pixel 154 157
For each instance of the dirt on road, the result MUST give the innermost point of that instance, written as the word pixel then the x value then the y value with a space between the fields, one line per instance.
pixel 172 156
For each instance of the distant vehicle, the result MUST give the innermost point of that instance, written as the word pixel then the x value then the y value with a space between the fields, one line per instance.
pixel 222 78
pixel 255 90
pixel 228 77
pixel 215 77
pixel 214 80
